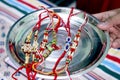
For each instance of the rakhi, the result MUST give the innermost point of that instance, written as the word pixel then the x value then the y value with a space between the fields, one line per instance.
pixel 70 46
pixel 67 45
pixel 51 45
pixel 74 45
pixel 27 48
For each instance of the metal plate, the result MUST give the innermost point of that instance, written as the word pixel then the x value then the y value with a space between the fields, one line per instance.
pixel 92 49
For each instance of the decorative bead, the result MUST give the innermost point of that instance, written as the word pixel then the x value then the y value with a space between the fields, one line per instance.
pixel 35 44
pixel 69 57
pixel 45 40
pixel 45 37
pixel 54 41
pixel 67 61
pixel 49 47
pixel 77 35
pixel 33 57
pixel 27 56
pixel 76 42
pixel 44 55
pixel 67 46
pixel 46 33
pixel 72 49
pixel 68 40
pixel 29 36
pixel 73 45
pixel 27 48
pixel 42 49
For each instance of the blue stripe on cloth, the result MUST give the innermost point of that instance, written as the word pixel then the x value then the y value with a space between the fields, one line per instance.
pixel 18 5
pixel 24 5
pixel 46 3
pixel 111 66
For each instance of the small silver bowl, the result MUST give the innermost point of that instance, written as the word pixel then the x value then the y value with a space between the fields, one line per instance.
pixel 92 49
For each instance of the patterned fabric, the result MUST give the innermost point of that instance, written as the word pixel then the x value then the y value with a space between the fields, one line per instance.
pixel 12 10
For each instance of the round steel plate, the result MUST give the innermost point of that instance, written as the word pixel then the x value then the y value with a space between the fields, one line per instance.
pixel 92 49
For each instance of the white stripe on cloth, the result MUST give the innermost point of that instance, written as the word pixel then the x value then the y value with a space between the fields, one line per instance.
pixel 114 52
pixel 11 10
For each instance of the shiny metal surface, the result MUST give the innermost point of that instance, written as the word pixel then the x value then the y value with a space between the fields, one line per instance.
pixel 92 49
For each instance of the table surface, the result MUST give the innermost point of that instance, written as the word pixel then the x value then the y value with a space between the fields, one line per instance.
pixel 12 10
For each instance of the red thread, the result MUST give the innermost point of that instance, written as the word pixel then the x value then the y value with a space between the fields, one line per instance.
pixel 56 64
pixel 20 68
pixel 68 73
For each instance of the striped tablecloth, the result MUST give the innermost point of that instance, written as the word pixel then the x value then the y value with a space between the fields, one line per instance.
pixel 12 10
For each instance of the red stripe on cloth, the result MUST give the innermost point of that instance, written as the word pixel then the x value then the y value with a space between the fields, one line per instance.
pixel 28 4
pixel 95 76
pixel 9 13
pixel 113 58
